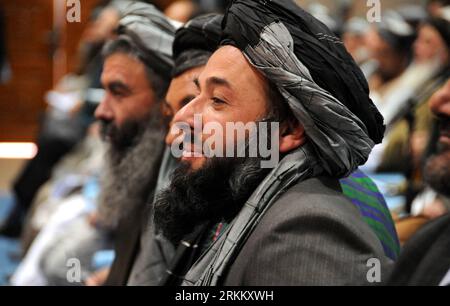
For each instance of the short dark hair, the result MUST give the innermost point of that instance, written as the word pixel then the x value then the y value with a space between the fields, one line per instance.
pixel 158 83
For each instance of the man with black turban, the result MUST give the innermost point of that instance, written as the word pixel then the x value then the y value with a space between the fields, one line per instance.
pixel 290 224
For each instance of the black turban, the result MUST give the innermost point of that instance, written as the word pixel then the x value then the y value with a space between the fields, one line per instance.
pixel 201 33
pixel 195 42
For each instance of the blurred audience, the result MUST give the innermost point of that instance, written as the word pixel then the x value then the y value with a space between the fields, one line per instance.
pixel 354 39
pixel 70 112
pixel 426 256
pixel 409 121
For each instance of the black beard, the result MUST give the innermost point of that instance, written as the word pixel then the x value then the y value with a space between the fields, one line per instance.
pixel 214 193
pixel 437 172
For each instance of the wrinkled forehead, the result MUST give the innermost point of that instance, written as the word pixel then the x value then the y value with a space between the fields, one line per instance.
pixel 124 66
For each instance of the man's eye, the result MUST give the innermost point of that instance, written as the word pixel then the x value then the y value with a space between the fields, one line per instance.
pixel 218 101
pixel 118 94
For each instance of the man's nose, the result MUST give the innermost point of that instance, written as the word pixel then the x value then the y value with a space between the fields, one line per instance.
pixel 188 112
pixel 185 116
pixel 104 111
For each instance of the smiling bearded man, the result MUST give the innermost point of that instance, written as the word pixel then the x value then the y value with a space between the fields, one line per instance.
pixel 289 225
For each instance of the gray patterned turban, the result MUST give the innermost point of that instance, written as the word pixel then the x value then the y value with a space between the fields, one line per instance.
pixel 317 77
pixel 152 32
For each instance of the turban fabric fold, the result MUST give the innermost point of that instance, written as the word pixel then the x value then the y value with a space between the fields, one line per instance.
pixel 201 33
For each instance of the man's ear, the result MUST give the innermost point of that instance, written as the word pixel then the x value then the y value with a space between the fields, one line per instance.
pixel 292 136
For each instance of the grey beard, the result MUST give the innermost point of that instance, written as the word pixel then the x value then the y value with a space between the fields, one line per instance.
pixel 129 176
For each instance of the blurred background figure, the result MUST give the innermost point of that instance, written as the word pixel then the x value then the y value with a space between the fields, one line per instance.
pixel 434 7
pixel 353 37
pixel 389 44
pixel 402 100
pixel 182 10
pixel 411 128
pixel 425 258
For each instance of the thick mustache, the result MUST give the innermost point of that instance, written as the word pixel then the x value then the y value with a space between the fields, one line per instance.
pixel 106 128
pixel 444 126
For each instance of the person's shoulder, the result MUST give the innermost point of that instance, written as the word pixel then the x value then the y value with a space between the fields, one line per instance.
pixel 424 259
pixel 305 238
pixel 321 196
pixel 313 203
pixel 428 235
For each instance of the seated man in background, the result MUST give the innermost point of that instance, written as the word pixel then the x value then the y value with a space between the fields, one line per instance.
pixel 408 117
pixel 193 45
pixel 138 65
pixel 425 259
pixel 238 223
pixel 391 48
